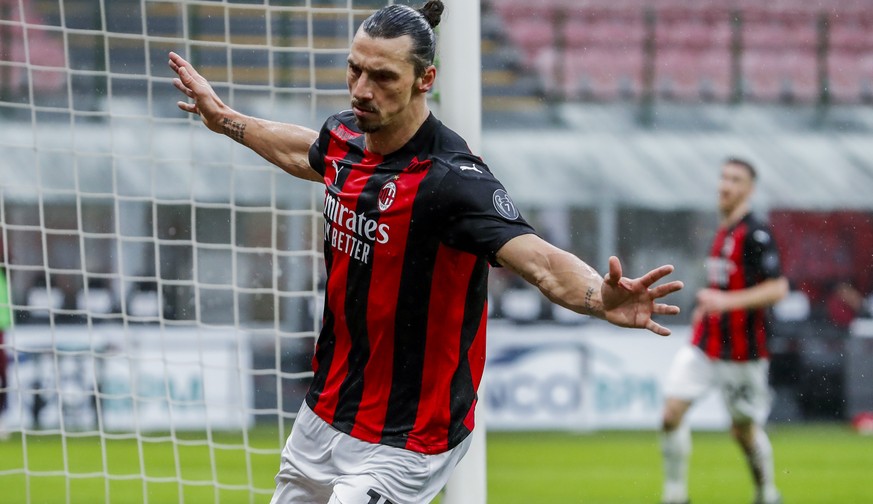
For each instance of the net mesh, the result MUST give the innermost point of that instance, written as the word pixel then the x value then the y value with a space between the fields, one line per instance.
pixel 163 281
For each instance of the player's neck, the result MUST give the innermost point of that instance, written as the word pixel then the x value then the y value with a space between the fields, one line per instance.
pixel 400 131
pixel 734 215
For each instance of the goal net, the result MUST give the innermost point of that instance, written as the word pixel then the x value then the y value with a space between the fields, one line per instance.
pixel 163 281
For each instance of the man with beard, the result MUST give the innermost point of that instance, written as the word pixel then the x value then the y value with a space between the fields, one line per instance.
pixel 413 222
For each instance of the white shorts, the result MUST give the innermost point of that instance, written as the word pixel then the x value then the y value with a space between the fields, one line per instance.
pixel 743 385
pixel 321 465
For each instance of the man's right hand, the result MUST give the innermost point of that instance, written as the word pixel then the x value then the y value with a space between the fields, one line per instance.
pixel 205 102
pixel 284 145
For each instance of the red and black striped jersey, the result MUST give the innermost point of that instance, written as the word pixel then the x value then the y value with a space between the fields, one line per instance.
pixel 741 256
pixel 408 238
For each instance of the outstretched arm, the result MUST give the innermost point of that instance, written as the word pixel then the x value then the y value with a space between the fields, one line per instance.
pixel 284 145
pixel 762 295
pixel 568 281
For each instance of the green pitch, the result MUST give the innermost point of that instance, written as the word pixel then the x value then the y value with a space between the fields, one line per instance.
pixel 815 464
pixel 819 464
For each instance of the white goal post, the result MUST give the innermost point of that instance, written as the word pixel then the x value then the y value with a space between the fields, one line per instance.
pixel 460 85
pixel 164 282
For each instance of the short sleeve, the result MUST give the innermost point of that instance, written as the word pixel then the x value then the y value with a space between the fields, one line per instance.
pixel 318 149
pixel 479 215
pixel 764 254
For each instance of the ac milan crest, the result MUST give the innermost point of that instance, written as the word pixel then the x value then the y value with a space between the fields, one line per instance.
pixel 387 195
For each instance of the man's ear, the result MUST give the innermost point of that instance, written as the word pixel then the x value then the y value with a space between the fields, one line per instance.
pixel 424 83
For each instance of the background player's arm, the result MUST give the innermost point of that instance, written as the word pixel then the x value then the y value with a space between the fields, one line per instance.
pixel 570 282
pixel 284 145
pixel 764 294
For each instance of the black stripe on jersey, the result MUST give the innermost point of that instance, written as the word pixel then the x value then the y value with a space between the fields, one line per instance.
pixel 752 322
pixel 324 353
pixel 411 322
pixel 325 347
pixel 462 381
pixel 724 325
pixel 327 337
pixel 357 296
pixel 752 276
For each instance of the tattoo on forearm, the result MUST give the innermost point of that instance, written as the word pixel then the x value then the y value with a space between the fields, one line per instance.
pixel 588 295
pixel 234 129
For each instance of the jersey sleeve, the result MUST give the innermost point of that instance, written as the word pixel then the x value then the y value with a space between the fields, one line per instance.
pixel 479 215
pixel 763 254
pixel 318 149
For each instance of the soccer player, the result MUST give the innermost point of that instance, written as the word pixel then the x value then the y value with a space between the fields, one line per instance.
pixel 729 340
pixel 412 220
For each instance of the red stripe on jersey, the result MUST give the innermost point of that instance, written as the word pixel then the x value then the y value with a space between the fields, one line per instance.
pixel 697 331
pixel 476 357
pixel 713 344
pixel 382 307
pixel 738 320
pixel 760 335
pixel 336 295
pixel 470 420
pixel 431 430
pixel 707 334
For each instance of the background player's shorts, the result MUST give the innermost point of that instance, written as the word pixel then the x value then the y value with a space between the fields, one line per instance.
pixel 743 385
pixel 321 465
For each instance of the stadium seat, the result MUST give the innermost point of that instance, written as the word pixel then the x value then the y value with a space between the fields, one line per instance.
pixel 43 50
pixel 619 31
pixel 692 30
pixel 689 74
pixel 531 37
pixel 850 76
pixel 97 301
pixel 525 10
pixel 42 299
pixel 849 64
pixel 849 35
pixel 578 33
pixel 779 75
pixel 143 301
pixel 603 73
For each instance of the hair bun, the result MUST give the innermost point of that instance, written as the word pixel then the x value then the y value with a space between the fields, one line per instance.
pixel 432 11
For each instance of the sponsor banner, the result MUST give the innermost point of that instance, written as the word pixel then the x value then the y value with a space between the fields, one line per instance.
pixel 582 378
pixel 142 378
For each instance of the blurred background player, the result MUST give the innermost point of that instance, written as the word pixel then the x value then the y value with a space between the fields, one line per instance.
pixel 729 348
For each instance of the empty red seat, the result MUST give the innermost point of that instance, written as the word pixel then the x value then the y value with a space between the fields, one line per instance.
pixel 531 37
pixel 603 73
pixel 689 74
pixel 515 10
pixel 850 75
pixel 42 51
pixel 850 33
pixel 775 75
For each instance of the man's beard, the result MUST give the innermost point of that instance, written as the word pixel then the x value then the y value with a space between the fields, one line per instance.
pixel 367 127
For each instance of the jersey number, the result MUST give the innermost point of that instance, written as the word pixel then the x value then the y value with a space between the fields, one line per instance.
pixel 741 392
pixel 375 498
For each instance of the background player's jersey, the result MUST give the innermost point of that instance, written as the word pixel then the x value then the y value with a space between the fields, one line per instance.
pixel 741 256
pixel 407 242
